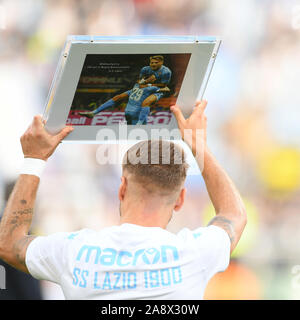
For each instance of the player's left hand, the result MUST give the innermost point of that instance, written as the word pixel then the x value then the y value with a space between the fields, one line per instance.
pixel 151 79
pixel 38 143
pixel 196 123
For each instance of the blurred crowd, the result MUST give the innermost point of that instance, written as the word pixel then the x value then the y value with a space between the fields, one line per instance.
pixel 253 124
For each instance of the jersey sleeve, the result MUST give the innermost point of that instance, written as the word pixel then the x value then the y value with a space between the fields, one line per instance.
pixel 153 89
pixel 217 250
pixel 211 245
pixel 166 76
pixel 46 257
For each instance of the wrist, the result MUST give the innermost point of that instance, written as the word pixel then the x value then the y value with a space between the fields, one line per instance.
pixel 197 143
pixel 199 152
pixel 33 166
pixel 210 163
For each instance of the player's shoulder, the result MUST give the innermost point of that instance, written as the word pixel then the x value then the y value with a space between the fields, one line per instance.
pixel 166 69
pixel 128 92
pixel 88 235
pixel 58 240
pixel 79 234
pixel 209 233
pixel 146 68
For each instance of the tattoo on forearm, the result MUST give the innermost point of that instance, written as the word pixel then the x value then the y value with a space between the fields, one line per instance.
pixel 16 221
pixel 226 224
pixel 21 217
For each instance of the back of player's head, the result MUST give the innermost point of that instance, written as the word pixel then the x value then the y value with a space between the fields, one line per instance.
pixel 157 165
pixel 158 57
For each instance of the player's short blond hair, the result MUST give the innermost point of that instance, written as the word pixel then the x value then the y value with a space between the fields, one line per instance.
pixel 159 165
pixel 161 58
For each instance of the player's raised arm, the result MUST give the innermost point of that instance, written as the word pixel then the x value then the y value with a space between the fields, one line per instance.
pixel 166 76
pixel 37 146
pixel 230 211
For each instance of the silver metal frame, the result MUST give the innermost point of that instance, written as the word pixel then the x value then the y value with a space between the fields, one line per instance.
pixel 203 53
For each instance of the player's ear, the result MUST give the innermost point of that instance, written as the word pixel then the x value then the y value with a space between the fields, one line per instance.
pixel 122 188
pixel 180 200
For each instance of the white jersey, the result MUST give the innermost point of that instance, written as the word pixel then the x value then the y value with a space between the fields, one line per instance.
pixel 130 262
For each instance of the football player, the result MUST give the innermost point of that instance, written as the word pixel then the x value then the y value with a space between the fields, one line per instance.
pixel 134 113
pixel 156 74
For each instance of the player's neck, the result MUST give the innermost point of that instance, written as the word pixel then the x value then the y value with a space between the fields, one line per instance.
pixel 144 215
pixel 144 222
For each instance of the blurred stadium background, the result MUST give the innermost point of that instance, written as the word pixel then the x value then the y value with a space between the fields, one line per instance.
pixel 253 124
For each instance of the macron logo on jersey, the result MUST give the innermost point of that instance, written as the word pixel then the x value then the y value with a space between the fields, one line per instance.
pixel 110 256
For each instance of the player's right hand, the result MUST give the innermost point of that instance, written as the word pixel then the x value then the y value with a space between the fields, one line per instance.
pixel 142 81
pixel 164 89
pixel 192 129
pixel 38 143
